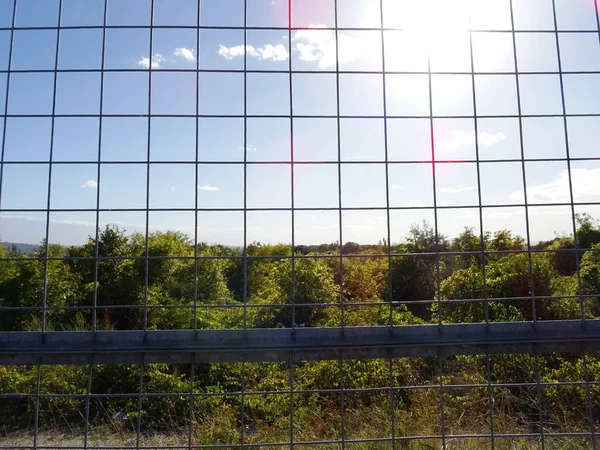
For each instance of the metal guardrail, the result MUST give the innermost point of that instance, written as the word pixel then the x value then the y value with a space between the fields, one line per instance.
pixel 277 345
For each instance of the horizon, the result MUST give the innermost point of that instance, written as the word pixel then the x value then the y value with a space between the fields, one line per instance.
pixel 125 229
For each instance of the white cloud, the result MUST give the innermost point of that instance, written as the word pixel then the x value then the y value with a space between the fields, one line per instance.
pixel 315 44
pixel 273 52
pixel 397 187
pixel 414 204
pixel 248 148
pixel 93 184
pixel 234 52
pixel 488 215
pixel 367 226
pixel 73 222
pixel 460 139
pixel 144 62
pixel 459 189
pixel 487 139
pixel 43 219
pixel 318 45
pixel 207 188
pixel 185 53
pixel 585 182
pixel 157 60
pixel 325 227
pixel 268 52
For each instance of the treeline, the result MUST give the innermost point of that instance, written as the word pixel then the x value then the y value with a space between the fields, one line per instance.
pixel 212 286
pixel 166 282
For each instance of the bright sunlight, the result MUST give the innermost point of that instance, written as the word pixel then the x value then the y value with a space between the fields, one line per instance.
pixel 440 29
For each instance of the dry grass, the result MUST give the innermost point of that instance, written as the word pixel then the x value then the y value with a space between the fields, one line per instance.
pixel 221 426
pixel 98 438
pixel 180 439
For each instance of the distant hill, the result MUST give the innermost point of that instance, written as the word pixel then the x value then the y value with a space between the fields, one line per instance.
pixel 26 249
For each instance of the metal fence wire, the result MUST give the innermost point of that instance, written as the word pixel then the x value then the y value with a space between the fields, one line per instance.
pixel 321 224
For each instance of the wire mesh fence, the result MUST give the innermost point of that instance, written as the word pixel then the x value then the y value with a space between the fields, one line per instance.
pixel 299 223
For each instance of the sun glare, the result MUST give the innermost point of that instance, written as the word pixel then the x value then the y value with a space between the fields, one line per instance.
pixel 434 26
pixel 435 35
pixel 428 16
pixel 438 28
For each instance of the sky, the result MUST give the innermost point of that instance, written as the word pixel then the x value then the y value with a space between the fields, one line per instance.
pixel 88 115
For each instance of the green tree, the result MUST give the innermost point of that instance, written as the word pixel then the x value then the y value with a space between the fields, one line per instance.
pixel 33 280
pixel 365 278
pixel 414 277
pixel 509 276
pixel 466 242
pixel 314 283
pixel 588 230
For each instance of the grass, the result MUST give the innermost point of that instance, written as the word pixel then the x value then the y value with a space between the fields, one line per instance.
pixel 222 427
pixel 316 418
pixel 179 438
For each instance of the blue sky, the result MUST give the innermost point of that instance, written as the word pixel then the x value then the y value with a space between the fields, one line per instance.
pixel 434 29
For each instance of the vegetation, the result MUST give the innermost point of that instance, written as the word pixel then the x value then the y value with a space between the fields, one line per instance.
pixel 212 286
